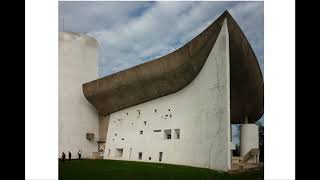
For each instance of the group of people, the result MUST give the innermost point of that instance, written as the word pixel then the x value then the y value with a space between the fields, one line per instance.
pixel 69 155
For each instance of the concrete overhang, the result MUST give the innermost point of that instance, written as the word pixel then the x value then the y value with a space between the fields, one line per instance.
pixel 174 71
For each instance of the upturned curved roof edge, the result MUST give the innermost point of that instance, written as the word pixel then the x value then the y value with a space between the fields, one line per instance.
pixel 174 71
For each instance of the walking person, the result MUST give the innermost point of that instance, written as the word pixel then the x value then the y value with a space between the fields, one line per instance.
pixel 69 156
pixel 79 154
pixel 63 156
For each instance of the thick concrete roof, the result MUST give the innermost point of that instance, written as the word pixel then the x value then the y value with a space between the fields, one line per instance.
pixel 172 72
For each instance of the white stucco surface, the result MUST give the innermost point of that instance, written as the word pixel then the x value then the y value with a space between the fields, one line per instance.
pixel 78 58
pixel 201 111
pixel 249 139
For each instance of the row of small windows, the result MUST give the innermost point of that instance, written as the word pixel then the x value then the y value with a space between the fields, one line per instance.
pixel 165 116
pixel 119 154
pixel 139 111
pixel 160 156
pixel 144 122
pixel 176 134
pixel 166 133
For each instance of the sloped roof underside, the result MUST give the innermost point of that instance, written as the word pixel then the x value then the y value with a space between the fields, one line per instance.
pixel 171 73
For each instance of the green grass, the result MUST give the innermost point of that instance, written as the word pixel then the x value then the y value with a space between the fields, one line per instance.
pixel 121 170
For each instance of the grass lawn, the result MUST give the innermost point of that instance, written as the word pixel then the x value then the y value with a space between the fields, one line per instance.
pixel 121 170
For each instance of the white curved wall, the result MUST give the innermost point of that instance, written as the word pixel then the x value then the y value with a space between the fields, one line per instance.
pixel 78 58
pixel 201 111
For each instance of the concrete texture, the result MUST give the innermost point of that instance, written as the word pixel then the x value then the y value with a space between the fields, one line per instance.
pixel 78 58
pixel 201 112
pixel 173 72
pixel 103 127
pixel 249 139
pixel 246 80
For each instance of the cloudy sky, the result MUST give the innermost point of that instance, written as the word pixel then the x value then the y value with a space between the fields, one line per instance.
pixel 131 33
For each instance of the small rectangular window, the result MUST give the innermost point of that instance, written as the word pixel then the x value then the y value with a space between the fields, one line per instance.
pixel 122 139
pixel 145 123
pixel 156 130
pixel 119 152
pixel 177 134
pixel 167 134
pixel 149 158
pixel 141 132
pixel 140 156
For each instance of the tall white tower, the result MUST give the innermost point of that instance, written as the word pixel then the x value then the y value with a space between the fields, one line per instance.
pixel 78 120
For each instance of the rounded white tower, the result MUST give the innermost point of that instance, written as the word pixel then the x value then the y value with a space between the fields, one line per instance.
pixel 249 139
pixel 78 58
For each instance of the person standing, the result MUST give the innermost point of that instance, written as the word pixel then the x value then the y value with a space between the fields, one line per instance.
pixel 69 156
pixel 79 154
pixel 63 156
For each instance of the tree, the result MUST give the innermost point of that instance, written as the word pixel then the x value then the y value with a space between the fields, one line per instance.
pixel 236 139
pixel 261 139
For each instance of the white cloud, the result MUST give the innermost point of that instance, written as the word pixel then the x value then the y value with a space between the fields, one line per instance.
pixel 84 16
pixel 131 33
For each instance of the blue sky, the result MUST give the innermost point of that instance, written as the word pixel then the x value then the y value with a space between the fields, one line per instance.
pixel 131 33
